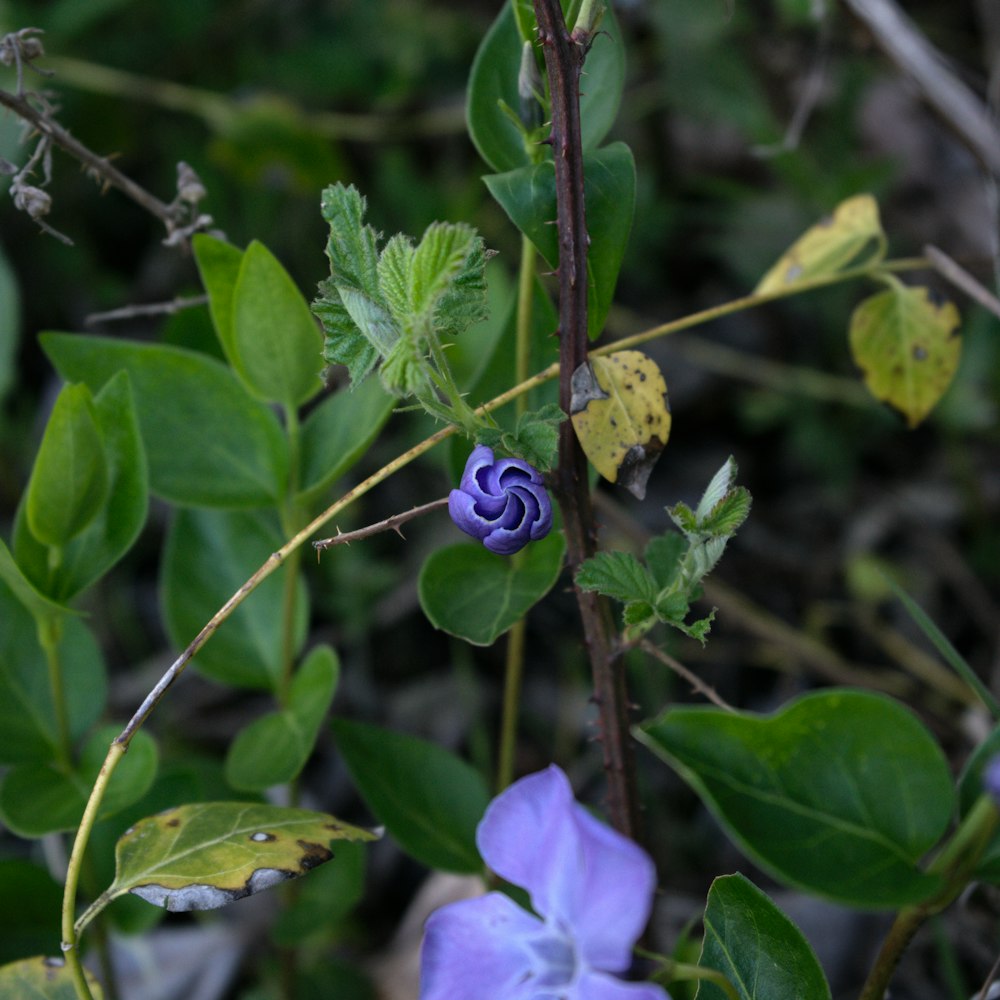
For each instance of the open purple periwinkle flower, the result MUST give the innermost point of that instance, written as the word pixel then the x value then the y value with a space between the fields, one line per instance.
pixel 591 887
pixel 502 502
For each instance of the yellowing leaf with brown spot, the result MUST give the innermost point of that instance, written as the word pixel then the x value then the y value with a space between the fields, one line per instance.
pixel 832 244
pixel 208 854
pixel 907 344
pixel 621 416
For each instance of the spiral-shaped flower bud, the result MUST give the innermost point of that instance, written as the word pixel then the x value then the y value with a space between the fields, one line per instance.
pixel 502 502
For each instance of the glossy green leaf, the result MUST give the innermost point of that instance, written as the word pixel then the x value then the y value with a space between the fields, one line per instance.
pixel 207 442
pixel 429 800
pixel 528 196
pixel 273 749
pixel 41 978
pixel 219 268
pixel 31 927
pixel 840 793
pixel 33 600
pixel 69 481
pixel 10 324
pixel 208 556
pixel 275 337
pixel 906 342
pixel 36 799
pixel 477 595
pixel 493 79
pixel 29 732
pixel 208 854
pixel 115 527
pixel 759 950
pixel 338 432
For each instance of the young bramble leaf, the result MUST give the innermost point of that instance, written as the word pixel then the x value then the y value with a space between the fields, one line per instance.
pixel 621 416
pixel 836 242
pixel 41 978
pixel 207 854
pixel 825 770
pixel 535 438
pixel 663 557
pixel 69 481
pixel 429 800
pixel 619 575
pixel 757 948
pixel 906 342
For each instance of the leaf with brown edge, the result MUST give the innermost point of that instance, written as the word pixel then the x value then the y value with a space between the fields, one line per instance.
pixel 621 416
pixel 906 342
pixel 207 854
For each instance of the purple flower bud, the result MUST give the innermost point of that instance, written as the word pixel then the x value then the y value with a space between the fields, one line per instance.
pixel 502 502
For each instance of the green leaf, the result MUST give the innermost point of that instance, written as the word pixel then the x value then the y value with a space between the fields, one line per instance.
pixel 906 342
pixel 10 324
pixel 219 267
pixel 429 800
pixel 619 575
pixel 273 749
pixel 40 606
pixel 970 788
pixel 663 557
pixel 207 442
pixel 41 978
pixel 69 481
pixel 528 196
pixel 208 854
pixel 852 235
pixel 841 793
pixel 115 527
pixel 208 555
pixel 759 950
pixel 477 595
pixel 275 336
pixel 493 86
pixel 31 926
pixel 37 799
pixel 29 732
pixel 338 432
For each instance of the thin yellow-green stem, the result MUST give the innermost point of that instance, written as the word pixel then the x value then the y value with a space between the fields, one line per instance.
pixel 525 306
pixel 292 521
pixel 49 637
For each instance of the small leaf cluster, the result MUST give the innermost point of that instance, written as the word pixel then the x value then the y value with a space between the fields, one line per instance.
pixel 663 587
pixel 395 307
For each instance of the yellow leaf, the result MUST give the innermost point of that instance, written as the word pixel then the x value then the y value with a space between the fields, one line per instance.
pixel 621 416
pixel 831 245
pixel 906 342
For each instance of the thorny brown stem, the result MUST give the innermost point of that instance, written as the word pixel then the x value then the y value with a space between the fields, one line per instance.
pixel 564 58
pixel 389 524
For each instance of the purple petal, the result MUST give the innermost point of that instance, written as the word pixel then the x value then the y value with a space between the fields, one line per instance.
pixel 478 949
pixel 462 509
pixel 597 986
pixel 580 873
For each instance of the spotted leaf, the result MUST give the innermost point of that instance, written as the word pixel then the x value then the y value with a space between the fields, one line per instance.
pixel 208 854
pixel 906 342
pixel 852 235
pixel 621 415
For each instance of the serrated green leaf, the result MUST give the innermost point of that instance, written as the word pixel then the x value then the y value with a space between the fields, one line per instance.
pixel 207 557
pixel 29 731
pixel 719 487
pixel 619 575
pixel 37 799
pixel 841 793
pixel 352 246
pixel 472 593
pixel 274 334
pixel 273 749
pixel 906 342
pixel 208 854
pixel 429 800
pixel 728 514
pixel 206 441
pixel 395 266
pixel 115 527
pixel 759 950
pixel 344 344
pixel 41 978
pixel 663 557
pixel 437 261
pixel 69 481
